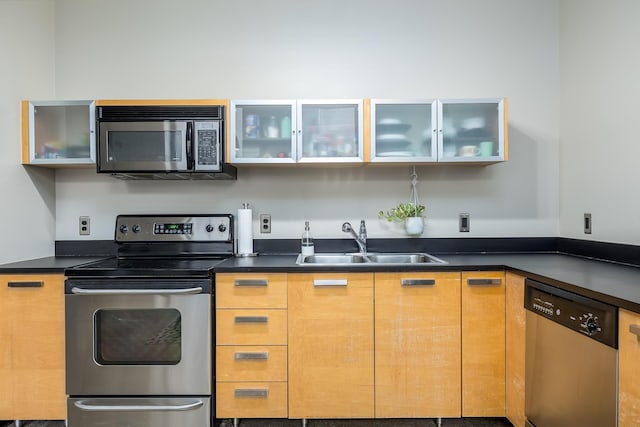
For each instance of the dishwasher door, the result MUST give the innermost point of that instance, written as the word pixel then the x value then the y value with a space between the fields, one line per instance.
pixel 571 379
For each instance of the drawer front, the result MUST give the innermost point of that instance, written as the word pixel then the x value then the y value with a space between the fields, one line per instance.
pixel 251 327
pixel 251 290
pixel 251 363
pixel 251 400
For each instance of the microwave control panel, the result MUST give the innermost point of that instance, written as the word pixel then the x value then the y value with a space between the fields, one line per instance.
pixel 207 145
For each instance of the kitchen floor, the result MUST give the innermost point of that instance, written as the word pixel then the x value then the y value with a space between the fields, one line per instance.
pixel 455 422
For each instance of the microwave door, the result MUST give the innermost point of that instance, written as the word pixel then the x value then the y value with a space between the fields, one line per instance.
pixel 150 146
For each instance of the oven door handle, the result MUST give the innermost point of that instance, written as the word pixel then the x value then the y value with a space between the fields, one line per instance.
pixel 80 404
pixel 187 291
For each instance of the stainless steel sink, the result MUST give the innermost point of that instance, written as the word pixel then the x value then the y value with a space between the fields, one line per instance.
pixel 369 259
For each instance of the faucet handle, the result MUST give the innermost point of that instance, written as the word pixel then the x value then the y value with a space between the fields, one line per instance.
pixel 363 229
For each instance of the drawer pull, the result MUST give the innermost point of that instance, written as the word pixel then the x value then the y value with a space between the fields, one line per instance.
pixel 251 356
pixel 329 282
pixel 251 319
pixel 483 282
pixel 251 282
pixel 251 392
pixel 635 329
pixel 25 284
pixel 418 282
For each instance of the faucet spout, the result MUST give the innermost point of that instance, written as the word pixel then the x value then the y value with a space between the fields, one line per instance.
pixel 361 238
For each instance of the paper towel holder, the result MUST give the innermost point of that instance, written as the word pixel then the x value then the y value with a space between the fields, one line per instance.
pixel 245 231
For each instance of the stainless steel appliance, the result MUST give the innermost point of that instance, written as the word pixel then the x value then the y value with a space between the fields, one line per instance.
pixel 571 359
pixel 165 142
pixel 139 332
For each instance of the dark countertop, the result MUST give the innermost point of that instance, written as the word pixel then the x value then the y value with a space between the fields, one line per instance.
pixel 616 284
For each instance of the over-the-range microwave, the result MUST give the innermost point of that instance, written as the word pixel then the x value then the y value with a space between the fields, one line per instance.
pixel 162 142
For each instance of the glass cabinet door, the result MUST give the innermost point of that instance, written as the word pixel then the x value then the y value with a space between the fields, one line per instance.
pixel 403 131
pixel 330 131
pixel 61 132
pixel 471 130
pixel 263 131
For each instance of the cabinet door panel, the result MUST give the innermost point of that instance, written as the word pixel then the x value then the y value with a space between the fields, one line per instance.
pixel 483 344
pixel 331 346
pixel 251 290
pixel 247 327
pixel 417 336
pixel 629 370
pixel 515 349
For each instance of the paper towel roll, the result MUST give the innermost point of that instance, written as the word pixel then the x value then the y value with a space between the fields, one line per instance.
pixel 245 231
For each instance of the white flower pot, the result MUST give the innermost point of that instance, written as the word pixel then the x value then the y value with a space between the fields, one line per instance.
pixel 414 225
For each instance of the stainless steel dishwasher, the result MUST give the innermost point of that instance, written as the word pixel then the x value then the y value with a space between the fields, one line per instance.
pixel 571 359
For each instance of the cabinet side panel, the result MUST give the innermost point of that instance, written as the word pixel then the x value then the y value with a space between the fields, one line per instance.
pixel 629 371
pixel 25 132
pixel 515 349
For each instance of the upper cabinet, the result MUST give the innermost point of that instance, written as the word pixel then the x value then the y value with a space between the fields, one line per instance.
pixel 287 131
pixel 58 133
pixel 445 131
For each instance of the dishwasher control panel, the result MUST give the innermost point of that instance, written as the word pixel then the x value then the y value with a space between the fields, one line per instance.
pixel 586 316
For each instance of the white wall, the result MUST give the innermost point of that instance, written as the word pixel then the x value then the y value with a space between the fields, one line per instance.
pixel 26 72
pixel 332 48
pixel 600 119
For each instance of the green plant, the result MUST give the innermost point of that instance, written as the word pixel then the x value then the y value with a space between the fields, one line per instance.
pixel 403 211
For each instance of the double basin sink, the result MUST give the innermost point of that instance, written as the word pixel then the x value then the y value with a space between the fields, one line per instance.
pixel 369 259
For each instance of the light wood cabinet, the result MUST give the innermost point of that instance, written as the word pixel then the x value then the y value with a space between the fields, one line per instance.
pixel 251 345
pixel 331 350
pixel 483 344
pixel 417 345
pixel 32 380
pixel 629 369
pixel 515 349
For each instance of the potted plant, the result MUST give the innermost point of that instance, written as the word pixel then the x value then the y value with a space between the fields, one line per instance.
pixel 410 213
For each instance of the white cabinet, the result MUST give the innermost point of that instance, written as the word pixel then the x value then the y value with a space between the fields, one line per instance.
pixel 58 133
pixel 289 131
pixel 445 131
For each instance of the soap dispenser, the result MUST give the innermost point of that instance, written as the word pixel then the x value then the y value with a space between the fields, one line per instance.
pixel 307 247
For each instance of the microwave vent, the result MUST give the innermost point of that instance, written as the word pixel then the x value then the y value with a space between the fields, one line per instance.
pixel 160 112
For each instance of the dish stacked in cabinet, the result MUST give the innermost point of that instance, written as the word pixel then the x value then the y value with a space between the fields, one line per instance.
pixel 391 138
pixel 251 345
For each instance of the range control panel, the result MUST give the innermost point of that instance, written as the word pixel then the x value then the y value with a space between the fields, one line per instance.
pixel 174 228
pixel 584 315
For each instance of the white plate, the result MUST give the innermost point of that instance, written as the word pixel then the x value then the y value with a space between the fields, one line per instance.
pixel 391 137
pixel 395 154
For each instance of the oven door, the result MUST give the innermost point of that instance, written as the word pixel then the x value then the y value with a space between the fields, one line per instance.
pixel 139 412
pixel 146 337
pixel 144 146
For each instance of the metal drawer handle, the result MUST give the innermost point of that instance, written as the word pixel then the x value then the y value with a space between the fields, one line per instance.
pixel 251 319
pixel 113 408
pixel 483 282
pixel 330 282
pixel 251 282
pixel 188 291
pixel 251 392
pixel 25 284
pixel 635 329
pixel 418 282
pixel 251 356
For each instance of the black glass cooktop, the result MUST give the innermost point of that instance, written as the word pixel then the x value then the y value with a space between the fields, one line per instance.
pixel 155 267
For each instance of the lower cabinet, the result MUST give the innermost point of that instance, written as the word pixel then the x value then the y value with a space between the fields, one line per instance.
pixel 483 344
pixel 331 359
pixel 515 349
pixel 417 345
pixel 32 382
pixel 251 345
pixel 629 369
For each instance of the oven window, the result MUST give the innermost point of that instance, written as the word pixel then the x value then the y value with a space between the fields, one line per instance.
pixel 138 337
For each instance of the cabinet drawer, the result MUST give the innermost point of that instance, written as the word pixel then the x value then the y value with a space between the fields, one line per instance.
pixel 251 363
pixel 251 290
pixel 251 327
pixel 251 400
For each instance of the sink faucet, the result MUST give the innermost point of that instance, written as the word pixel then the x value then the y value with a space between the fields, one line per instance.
pixel 361 239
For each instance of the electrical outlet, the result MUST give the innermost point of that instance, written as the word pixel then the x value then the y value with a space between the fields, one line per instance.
pixel 465 222
pixel 265 223
pixel 84 225
pixel 587 223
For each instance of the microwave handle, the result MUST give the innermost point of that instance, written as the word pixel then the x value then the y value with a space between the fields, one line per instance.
pixel 190 145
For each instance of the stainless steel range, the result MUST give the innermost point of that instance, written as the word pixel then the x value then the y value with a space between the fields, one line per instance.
pixel 139 333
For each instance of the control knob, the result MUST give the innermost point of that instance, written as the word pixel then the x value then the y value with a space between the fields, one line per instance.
pixel 209 228
pixel 592 325
pixel 222 228
pixel 136 228
pixel 124 229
